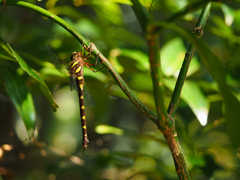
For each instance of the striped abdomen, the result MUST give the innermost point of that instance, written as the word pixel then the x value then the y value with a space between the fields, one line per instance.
pixel 76 70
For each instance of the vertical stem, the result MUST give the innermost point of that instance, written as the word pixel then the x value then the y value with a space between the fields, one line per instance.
pixel 156 73
pixel 165 124
pixel 198 31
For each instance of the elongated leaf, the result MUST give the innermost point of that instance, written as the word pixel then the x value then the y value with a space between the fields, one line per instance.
pixel 105 129
pixel 22 99
pixel 5 52
pixel 217 70
pixel 33 74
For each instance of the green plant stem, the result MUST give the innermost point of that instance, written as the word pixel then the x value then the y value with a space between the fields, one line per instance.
pixel 187 9
pixel 154 59
pixel 198 31
pixel 129 93
pixel 156 73
pixel 165 123
pixel 151 115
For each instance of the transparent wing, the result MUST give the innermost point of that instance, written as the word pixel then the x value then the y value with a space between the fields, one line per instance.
pixel 88 99
pixel 60 65
pixel 73 83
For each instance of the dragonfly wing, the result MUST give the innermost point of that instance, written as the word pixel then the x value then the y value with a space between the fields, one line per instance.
pixel 60 65
pixel 88 98
pixel 73 84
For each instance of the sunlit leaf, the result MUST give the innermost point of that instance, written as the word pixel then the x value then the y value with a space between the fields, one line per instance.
pixel 228 13
pixel 172 56
pixel 22 99
pixel 105 129
pixel 193 96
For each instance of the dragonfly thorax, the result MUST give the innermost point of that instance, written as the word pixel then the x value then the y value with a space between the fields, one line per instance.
pixel 76 65
pixel 75 55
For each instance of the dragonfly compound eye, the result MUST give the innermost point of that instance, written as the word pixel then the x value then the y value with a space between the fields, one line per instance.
pixel 74 55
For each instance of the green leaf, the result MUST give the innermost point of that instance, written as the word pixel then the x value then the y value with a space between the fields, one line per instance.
pixel 140 58
pixel 105 129
pixel 5 51
pixel 107 10
pixel 172 56
pixel 228 14
pixel 193 96
pixel 22 99
pixel 31 72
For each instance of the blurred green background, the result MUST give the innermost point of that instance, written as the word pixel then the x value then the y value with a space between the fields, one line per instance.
pixel 124 144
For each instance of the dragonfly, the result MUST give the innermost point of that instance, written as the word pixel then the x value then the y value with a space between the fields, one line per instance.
pixel 75 71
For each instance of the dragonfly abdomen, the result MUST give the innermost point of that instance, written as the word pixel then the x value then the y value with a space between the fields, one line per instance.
pixel 82 113
pixel 76 70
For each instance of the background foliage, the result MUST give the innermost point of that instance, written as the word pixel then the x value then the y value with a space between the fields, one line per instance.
pixel 123 142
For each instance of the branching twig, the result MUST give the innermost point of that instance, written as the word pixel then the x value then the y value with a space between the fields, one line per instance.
pixel 166 125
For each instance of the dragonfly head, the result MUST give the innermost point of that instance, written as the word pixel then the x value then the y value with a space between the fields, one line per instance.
pixel 74 55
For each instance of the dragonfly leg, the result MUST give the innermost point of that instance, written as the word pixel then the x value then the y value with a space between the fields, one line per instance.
pixel 83 51
pixel 87 57
pixel 87 64
pixel 90 52
pixel 90 58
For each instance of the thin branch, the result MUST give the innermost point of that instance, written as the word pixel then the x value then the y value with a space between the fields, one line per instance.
pixel 198 31
pixel 157 78
pixel 189 8
pixel 165 123
pixel 129 93
pixel 47 14
pixel 151 115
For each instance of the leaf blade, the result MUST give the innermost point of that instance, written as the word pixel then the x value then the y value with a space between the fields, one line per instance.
pixel 22 99
pixel 31 72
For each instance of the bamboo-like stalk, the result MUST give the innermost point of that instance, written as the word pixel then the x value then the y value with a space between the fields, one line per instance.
pixel 165 124
pixel 157 78
pixel 198 31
